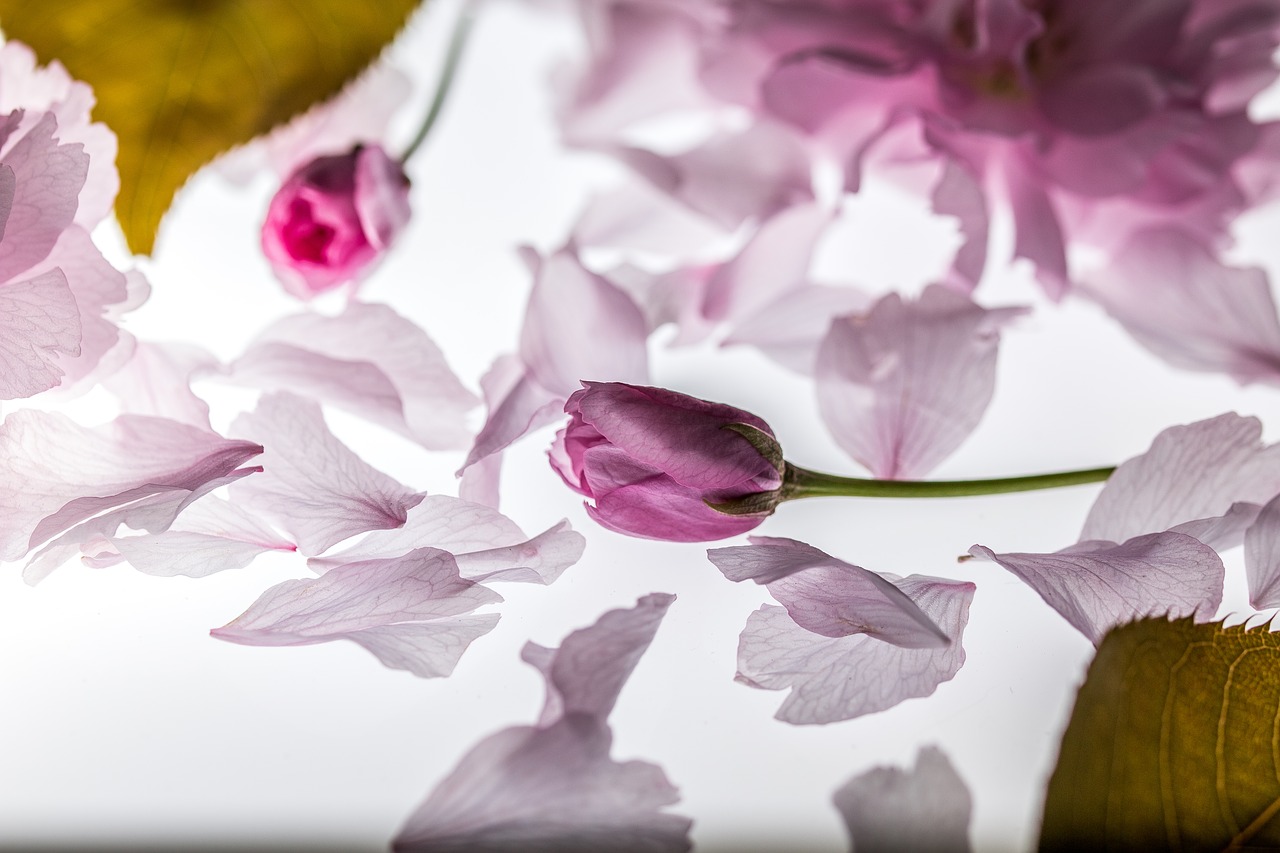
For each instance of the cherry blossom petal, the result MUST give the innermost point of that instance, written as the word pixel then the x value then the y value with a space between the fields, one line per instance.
pixel 48 178
pixel 1098 585
pixel 57 473
pixel 958 193
pixel 487 545
pixel 370 361
pixel 553 786
pixel 636 216
pixel 1170 291
pixel 1038 233
pixel 39 321
pixel 402 600
pixel 157 381
pixel 587 672
pixel 903 386
pixel 1262 557
pixel 790 331
pixel 1192 472
pixel 834 679
pixel 926 808
pixel 314 487
pixel 829 596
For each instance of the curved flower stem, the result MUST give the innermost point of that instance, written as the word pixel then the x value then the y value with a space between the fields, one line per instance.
pixel 803 483
pixel 461 29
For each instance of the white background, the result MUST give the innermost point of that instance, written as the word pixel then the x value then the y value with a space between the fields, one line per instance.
pixel 122 722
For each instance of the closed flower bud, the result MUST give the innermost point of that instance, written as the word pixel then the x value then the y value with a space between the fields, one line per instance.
pixel 654 462
pixel 334 218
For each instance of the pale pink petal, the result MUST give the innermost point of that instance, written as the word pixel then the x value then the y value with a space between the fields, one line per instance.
pixel 1097 585
pixel 481 482
pixel 586 673
pixel 381 198
pixel 601 338
pixel 152 512
pixel 314 487
pixel 487 545
pixel 157 381
pixel 1176 298
pixel 903 386
pixel 1262 557
pixel 1037 231
pixel 926 808
pixel 959 193
pixel 39 322
pixel 834 679
pixel 637 216
pixel 554 786
pixel 733 177
pixel 370 361
pixel 48 179
pixel 525 407
pixel 774 264
pixel 1221 532
pixel 790 330
pixel 426 649
pixel 829 596
pixel 57 473
pixel 384 596
pixel 1192 472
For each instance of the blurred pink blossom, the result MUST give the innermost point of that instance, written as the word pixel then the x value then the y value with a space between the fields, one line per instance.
pixel 334 218
pixel 59 298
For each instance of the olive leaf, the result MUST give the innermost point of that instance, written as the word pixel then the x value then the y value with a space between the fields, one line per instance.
pixel 1174 743
pixel 181 81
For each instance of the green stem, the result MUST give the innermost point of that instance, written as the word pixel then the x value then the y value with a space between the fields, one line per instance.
pixel 803 483
pixel 461 29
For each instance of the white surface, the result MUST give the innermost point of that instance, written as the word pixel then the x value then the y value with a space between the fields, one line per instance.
pixel 122 722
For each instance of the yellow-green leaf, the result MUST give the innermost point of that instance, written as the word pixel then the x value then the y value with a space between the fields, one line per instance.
pixel 1174 743
pixel 181 81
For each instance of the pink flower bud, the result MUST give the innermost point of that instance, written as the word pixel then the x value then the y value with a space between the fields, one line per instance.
pixel 653 460
pixel 334 218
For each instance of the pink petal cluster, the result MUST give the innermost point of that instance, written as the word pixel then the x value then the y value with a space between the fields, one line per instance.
pixel 652 460
pixel 334 218
pixel 1150 543
pixel 60 299
pixel 847 641
pixel 553 785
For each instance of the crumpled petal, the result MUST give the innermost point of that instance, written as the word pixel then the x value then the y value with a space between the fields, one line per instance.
pixel 553 786
pixel 1262 557
pixel 314 487
pixel 903 386
pixel 369 361
pixel 411 611
pixel 1192 472
pixel 834 679
pixel 1170 291
pixel 1097 585
pixel 924 809
pixel 487 545
pixel 829 596
pixel 57 473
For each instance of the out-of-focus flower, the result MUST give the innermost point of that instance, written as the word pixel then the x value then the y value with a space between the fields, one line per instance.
pixel 59 298
pixel 334 218
pixel 654 461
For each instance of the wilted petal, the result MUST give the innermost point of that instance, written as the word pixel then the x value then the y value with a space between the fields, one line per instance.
pixel 487 545
pixel 1098 585
pixel 1176 298
pixel 1262 557
pixel 57 473
pixel 903 386
pixel 925 809
pixel 384 596
pixel 829 596
pixel 1192 472
pixel 314 487
pixel 554 786
pixel 370 361
pixel 841 678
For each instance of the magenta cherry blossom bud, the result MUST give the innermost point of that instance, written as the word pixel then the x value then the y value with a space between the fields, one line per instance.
pixel 655 462
pixel 334 218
